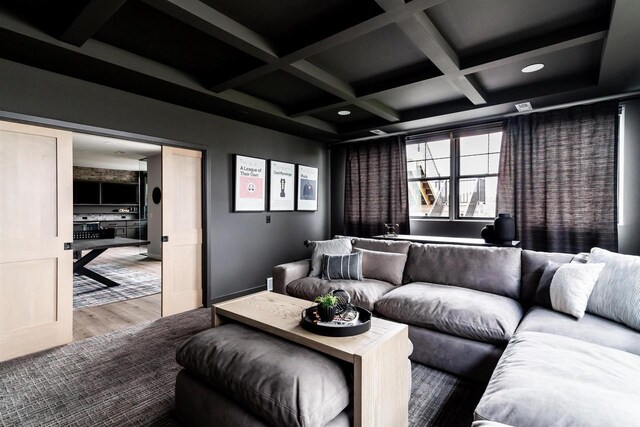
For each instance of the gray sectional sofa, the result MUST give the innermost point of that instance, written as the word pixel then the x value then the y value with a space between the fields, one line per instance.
pixel 470 312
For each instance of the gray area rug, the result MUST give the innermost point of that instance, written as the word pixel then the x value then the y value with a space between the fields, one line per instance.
pixel 133 284
pixel 126 378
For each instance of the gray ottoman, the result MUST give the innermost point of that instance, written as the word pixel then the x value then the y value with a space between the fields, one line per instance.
pixel 236 375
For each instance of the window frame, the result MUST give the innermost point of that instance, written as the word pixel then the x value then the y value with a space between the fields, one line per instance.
pixel 454 169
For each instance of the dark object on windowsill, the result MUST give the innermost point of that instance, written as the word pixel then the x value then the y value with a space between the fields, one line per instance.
pixel 488 233
pixel 505 229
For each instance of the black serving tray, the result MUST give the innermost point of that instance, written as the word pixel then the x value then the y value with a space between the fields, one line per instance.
pixel 307 322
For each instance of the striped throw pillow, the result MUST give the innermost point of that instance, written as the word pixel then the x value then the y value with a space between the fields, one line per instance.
pixel 337 267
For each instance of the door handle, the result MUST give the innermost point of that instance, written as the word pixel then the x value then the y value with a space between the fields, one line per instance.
pixel 68 246
pixel 165 239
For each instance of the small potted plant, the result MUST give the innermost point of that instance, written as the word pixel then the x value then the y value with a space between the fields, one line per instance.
pixel 327 307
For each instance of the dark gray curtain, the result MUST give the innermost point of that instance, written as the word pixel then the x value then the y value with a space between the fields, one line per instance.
pixel 376 187
pixel 558 178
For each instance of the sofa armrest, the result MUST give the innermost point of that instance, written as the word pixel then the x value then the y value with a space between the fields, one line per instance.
pixel 284 274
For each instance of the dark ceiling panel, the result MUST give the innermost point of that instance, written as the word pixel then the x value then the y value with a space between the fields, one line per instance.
pixel 292 24
pixel 332 116
pixel 287 91
pixel 493 24
pixel 579 61
pixel 420 94
pixel 385 54
pixel 145 31
pixel 53 17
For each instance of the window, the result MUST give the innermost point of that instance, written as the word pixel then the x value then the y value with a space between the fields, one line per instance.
pixel 472 186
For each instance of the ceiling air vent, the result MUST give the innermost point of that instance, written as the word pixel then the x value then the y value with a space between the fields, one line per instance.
pixel 524 107
pixel 377 132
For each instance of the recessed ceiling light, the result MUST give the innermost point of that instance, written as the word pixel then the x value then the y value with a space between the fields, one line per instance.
pixel 523 107
pixel 119 152
pixel 377 132
pixel 344 112
pixel 532 68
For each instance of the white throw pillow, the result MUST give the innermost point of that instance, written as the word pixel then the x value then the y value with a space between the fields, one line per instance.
pixel 327 247
pixel 571 287
pixel 616 295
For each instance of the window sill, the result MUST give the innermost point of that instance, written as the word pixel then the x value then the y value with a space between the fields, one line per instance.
pixel 474 220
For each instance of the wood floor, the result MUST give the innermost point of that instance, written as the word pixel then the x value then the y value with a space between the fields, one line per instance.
pixel 92 321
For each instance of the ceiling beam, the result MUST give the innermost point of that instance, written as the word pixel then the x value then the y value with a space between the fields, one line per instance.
pixel 426 37
pixel 344 36
pixel 108 54
pixel 210 21
pixel 554 45
pixel 94 15
pixel 620 64
pixel 310 73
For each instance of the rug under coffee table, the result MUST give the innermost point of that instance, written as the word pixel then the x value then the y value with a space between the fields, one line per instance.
pixel 379 356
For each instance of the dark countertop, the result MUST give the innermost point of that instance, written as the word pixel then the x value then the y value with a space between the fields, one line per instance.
pixel 89 244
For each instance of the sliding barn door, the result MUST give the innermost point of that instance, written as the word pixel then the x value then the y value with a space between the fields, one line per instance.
pixel 36 219
pixel 181 230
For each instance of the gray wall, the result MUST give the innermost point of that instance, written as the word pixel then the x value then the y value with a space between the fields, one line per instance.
pixel 629 230
pixel 244 248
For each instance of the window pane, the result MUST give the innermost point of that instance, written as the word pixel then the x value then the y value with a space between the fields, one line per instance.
pixel 429 198
pixel 416 169
pixel 495 141
pixel 474 165
pixel 477 197
pixel 476 144
pixel 438 168
pixel 494 162
pixel 415 151
pixel 438 149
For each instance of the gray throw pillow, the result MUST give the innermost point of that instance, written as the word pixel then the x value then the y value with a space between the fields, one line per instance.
pixel 342 267
pixel 616 295
pixel 327 247
pixel 385 266
pixel 571 287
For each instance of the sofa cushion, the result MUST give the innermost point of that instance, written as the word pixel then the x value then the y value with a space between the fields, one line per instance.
pixel 488 269
pixel 363 293
pixel 385 266
pixel 533 265
pixel 571 286
pixel 465 313
pixel 268 375
pixel 590 328
pixel 337 267
pixel 393 246
pixel 326 247
pixel 550 380
pixel 616 295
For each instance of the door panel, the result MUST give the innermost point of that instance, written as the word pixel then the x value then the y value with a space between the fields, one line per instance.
pixel 182 223
pixel 35 221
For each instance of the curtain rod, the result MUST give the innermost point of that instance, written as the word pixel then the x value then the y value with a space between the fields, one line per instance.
pixel 488 121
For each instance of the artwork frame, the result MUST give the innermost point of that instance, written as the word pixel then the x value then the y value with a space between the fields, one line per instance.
pixel 307 180
pixel 282 186
pixel 249 183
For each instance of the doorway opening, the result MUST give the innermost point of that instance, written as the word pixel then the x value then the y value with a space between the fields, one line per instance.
pixel 117 233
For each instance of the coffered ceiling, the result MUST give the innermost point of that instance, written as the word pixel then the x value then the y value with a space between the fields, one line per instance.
pixel 292 65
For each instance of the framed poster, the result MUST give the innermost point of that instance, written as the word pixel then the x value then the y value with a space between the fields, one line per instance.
pixel 249 179
pixel 281 186
pixel 307 188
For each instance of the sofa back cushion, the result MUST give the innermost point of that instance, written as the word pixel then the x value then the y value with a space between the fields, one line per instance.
pixel 394 246
pixel 533 265
pixel 488 269
pixel 385 266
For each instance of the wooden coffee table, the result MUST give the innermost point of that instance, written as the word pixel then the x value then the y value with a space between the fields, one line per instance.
pixel 379 356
